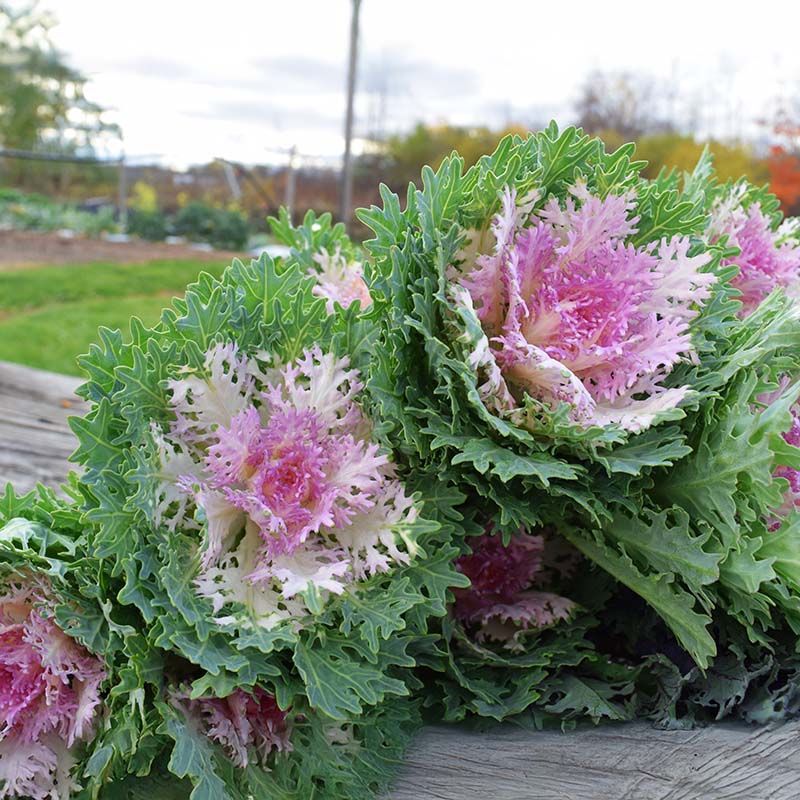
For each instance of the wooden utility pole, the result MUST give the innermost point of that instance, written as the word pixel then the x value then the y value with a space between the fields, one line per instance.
pixel 291 181
pixel 122 194
pixel 346 196
pixel 230 177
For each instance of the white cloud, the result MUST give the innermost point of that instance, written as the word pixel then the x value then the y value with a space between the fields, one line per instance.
pixel 192 80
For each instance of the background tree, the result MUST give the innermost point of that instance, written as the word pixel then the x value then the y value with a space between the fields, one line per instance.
pixel 43 105
pixel 42 98
pixel 405 154
pixel 621 104
pixel 784 157
pixel 682 152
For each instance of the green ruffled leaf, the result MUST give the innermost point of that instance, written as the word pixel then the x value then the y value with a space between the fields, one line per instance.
pixel 675 605
pixel 340 678
pixel 587 697
pixel 664 542
pixel 194 757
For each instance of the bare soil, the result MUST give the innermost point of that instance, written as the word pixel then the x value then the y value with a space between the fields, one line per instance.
pixel 21 249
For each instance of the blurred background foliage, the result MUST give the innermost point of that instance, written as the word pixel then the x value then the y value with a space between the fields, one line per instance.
pixel 43 107
pixel 49 314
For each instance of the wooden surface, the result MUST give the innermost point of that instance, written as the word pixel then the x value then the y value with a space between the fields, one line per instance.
pixel 35 441
pixel 631 761
pixel 622 762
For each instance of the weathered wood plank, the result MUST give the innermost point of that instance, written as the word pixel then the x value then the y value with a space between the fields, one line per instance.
pixel 35 441
pixel 633 761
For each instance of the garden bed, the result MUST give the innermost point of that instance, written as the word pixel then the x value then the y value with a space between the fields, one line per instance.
pixel 22 248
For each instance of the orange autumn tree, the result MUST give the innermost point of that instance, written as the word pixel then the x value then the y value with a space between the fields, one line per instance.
pixel 784 166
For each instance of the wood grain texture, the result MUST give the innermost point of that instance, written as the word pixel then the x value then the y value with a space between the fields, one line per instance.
pixel 35 440
pixel 632 761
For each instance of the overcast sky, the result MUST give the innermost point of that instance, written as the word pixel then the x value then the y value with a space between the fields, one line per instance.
pixel 188 81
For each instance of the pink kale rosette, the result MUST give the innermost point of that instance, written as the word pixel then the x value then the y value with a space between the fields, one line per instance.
pixel 278 462
pixel 575 312
pixel 50 699
pixel 242 744
pixel 327 255
pixel 510 586
pixel 248 725
pixel 339 280
pixel 769 248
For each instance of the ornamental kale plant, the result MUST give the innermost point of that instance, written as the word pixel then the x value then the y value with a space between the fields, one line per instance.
pixel 532 452
pixel 49 691
pixel 57 652
pixel 234 485
pixel 565 341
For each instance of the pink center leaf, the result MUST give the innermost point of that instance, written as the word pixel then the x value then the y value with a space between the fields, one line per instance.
pixel 294 476
pixel 768 258
pixel 49 690
pixel 575 314
pixel 506 595
pixel 248 726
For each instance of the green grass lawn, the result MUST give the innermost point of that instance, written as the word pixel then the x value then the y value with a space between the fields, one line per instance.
pixel 50 315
